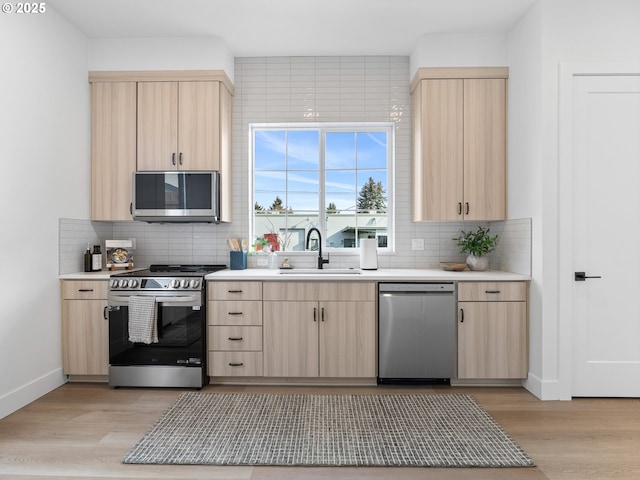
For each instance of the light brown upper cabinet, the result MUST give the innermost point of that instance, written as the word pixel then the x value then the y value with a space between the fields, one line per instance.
pixel 459 144
pixel 113 149
pixel 180 125
pixel 157 121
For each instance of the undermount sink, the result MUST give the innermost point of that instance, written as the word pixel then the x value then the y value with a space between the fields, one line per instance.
pixel 316 271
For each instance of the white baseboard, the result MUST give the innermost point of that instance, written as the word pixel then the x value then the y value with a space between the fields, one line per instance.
pixel 543 389
pixel 24 395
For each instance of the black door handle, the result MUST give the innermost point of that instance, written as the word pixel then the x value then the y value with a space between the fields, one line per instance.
pixel 581 276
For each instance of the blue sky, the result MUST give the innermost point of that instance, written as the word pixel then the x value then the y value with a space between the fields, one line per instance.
pixel 347 167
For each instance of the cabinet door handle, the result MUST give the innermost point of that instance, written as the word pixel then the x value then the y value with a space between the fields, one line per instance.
pixel 180 158
pixel 131 208
pixel 315 314
pixel 104 313
pixel 236 364
pixel 234 313
pixel 462 315
pixel 173 158
pixel 492 291
pixel 234 291
pixel 466 208
pixel 235 339
pixel 459 208
pixel 322 314
pixel 85 289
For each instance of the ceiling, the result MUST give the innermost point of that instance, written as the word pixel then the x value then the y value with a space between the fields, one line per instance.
pixel 294 27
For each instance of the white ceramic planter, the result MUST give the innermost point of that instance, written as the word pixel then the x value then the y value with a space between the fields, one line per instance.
pixel 477 264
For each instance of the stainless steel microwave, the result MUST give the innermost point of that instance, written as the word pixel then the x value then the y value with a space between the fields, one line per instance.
pixel 176 196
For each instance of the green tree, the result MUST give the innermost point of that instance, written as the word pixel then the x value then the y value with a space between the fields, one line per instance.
pixel 371 197
pixel 258 208
pixel 332 208
pixel 277 206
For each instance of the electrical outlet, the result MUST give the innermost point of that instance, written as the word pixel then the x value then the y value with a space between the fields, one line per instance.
pixel 417 244
pixel 263 262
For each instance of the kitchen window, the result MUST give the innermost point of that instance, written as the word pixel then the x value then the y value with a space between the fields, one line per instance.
pixel 335 177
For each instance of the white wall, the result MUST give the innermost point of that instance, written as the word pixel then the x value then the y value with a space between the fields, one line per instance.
pixel 44 132
pixel 459 50
pixel 553 32
pixel 175 53
pixel 525 163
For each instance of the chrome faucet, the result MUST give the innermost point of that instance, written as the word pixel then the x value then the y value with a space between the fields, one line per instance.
pixel 321 261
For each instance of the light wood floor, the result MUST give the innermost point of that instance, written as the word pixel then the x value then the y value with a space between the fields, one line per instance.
pixel 83 430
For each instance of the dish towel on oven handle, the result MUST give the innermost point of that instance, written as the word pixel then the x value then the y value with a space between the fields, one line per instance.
pixel 143 319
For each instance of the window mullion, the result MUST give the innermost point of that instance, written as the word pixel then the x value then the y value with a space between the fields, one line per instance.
pixel 322 219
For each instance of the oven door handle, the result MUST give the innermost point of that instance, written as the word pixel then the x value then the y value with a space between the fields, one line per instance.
pixel 123 300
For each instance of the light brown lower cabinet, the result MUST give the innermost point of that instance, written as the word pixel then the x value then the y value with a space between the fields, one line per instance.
pixel 319 329
pixel 85 328
pixel 492 330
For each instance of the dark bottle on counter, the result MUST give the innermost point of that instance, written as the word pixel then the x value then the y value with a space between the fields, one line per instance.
pixel 96 259
pixel 88 260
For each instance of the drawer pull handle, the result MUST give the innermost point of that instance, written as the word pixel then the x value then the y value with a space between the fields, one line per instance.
pixel 85 289
pixel 235 338
pixel 492 291
pixel 234 313
pixel 236 364
pixel 234 291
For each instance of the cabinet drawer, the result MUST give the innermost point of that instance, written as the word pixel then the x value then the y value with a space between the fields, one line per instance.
pixel 234 290
pixel 235 364
pixel 221 312
pixel 85 289
pixel 492 291
pixel 314 291
pixel 230 338
pixel 290 291
pixel 348 292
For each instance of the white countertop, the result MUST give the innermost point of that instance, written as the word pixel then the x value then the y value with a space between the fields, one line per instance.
pixel 101 275
pixel 380 275
pixel 384 274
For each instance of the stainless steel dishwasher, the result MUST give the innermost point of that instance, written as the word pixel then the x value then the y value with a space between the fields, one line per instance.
pixel 416 333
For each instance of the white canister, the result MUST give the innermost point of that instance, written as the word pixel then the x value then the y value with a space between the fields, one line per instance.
pixel 369 254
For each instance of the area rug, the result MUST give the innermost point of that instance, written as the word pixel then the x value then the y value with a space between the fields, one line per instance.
pixel 328 430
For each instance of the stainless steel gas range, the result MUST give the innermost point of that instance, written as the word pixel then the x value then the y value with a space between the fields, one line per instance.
pixel 157 327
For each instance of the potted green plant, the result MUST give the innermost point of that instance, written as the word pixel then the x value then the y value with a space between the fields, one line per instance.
pixel 478 244
pixel 259 244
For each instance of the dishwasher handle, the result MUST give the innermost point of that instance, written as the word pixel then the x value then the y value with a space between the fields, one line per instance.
pixel 425 287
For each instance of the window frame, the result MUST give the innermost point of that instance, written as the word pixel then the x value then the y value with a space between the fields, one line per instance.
pixel 323 128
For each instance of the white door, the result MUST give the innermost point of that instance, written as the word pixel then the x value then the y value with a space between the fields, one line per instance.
pixel 606 236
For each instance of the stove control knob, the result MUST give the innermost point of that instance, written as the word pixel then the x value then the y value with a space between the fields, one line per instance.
pixel 175 283
pixel 124 283
pixel 115 283
pixel 184 283
pixel 195 283
pixel 133 283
